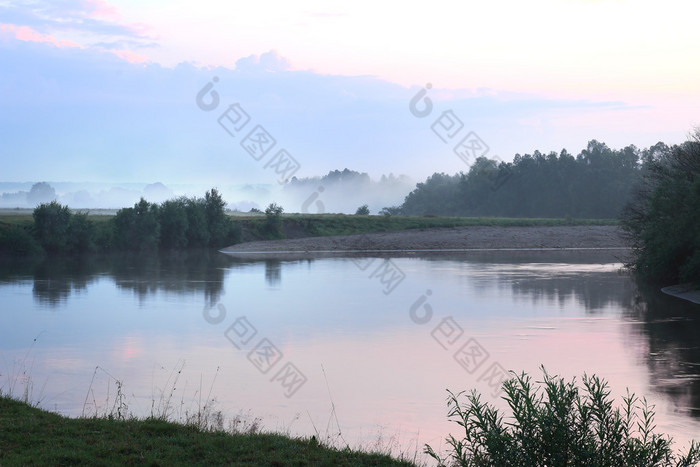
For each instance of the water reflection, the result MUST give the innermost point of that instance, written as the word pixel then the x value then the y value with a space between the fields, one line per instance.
pixel 548 276
pixel 56 279
pixel 671 327
pixel 593 290
pixel 273 272
pixel 666 326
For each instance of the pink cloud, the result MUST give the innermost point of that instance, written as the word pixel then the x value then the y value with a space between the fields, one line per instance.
pixel 27 34
pixel 102 9
pixel 130 57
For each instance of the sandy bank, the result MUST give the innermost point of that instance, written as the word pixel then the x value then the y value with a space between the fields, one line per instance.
pixel 458 238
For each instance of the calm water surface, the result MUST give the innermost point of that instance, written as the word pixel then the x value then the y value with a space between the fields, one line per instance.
pixel 358 350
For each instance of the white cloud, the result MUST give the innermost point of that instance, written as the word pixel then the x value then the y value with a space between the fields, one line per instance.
pixel 270 61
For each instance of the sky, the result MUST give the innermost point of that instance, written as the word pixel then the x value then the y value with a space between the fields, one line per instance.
pixel 107 91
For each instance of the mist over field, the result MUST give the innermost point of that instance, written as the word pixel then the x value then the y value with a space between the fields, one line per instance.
pixel 336 192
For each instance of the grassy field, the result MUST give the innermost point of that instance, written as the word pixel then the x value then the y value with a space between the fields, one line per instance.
pixel 338 224
pixel 30 436
pixel 21 217
pixel 24 216
pixel 321 225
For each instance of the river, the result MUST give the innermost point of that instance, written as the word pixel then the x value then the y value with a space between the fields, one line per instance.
pixel 357 351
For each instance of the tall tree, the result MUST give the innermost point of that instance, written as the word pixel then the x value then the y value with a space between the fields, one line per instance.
pixel 664 217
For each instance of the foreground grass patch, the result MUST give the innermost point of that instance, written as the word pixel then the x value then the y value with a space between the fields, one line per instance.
pixel 30 436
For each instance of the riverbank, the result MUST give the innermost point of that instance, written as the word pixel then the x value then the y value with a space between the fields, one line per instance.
pixel 684 291
pixel 30 436
pixel 99 230
pixel 446 239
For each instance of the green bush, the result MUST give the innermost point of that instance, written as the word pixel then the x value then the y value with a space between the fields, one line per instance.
pixel 197 230
pixel 51 226
pixel 18 240
pixel 174 224
pixel 104 235
pixel 558 424
pixel 59 231
pixel 137 228
pixel 81 234
pixel 235 233
pixel 272 228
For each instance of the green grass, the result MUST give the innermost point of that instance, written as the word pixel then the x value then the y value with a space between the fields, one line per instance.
pixel 343 225
pixel 338 224
pixel 30 436
pixel 24 216
pixel 20 219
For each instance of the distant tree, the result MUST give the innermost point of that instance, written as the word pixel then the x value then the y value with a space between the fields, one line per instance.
pixel 362 210
pixel 157 192
pixel 273 221
pixel 17 199
pixel 390 211
pixel 336 190
pixel 41 192
pixel 51 224
pixel 664 217
pixel 437 195
pixel 173 224
pixel 138 228
pixel 274 210
pixel 197 232
pixel 474 194
pixel 218 222
pixel 595 184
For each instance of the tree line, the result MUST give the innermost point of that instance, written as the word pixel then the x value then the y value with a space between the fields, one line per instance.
pixel 171 225
pixel 597 183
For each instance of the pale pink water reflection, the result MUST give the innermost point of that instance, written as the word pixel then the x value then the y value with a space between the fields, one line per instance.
pixel 358 348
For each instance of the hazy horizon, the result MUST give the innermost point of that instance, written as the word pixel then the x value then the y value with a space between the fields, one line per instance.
pixel 119 92
pixel 386 191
